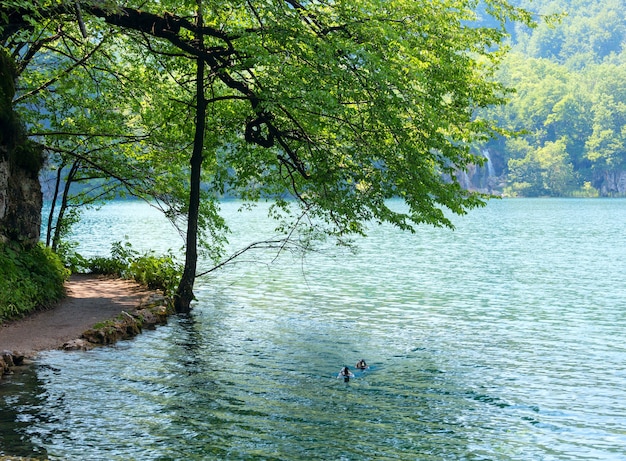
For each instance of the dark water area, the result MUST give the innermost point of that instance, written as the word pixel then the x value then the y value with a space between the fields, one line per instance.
pixel 501 340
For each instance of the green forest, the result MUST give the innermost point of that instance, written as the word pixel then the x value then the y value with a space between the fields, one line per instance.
pixel 569 104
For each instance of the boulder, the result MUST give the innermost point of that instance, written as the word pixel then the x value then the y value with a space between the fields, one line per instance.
pixel 78 345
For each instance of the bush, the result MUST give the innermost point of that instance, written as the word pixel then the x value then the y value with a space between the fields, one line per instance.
pixel 30 278
pixel 71 258
pixel 155 272
pixel 117 264
pixel 106 266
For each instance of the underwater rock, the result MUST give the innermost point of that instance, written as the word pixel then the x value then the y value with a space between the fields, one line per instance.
pixel 9 360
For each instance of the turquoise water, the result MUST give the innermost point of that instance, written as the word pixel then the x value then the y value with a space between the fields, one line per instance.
pixel 501 340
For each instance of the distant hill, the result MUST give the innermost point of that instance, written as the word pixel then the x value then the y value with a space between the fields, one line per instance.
pixel 570 101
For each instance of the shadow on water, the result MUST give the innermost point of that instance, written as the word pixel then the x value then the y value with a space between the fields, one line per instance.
pixel 22 402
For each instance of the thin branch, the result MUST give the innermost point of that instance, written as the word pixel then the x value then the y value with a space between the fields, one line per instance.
pixel 126 182
pixel 81 23
pixel 293 229
pixel 34 49
pixel 91 135
pixel 255 13
pixel 227 98
pixel 280 243
pixel 58 76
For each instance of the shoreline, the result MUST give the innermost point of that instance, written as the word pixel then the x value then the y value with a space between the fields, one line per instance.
pixel 96 311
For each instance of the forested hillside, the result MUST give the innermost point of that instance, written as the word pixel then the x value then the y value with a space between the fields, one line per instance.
pixel 570 102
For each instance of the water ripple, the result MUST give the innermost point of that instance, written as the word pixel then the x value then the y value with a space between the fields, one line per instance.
pixel 502 340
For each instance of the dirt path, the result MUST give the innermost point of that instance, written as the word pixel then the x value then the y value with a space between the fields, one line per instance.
pixel 91 299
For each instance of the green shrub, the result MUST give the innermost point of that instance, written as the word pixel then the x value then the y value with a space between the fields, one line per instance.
pixel 71 259
pixel 117 264
pixel 30 279
pixel 155 272
pixel 106 266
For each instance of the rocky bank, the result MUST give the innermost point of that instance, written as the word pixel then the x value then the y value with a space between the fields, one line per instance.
pixel 97 311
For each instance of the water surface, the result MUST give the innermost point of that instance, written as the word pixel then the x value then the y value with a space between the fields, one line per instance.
pixel 504 339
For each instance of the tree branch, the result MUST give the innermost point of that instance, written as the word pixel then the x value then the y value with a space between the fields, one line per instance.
pixel 34 49
pixel 130 138
pixel 66 71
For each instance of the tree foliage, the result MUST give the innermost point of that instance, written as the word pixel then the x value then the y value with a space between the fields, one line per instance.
pixel 329 108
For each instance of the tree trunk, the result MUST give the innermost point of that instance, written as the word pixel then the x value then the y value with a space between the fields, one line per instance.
pixel 57 185
pixel 61 226
pixel 184 294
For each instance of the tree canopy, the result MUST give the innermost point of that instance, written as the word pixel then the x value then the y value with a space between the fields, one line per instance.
pixel 328 107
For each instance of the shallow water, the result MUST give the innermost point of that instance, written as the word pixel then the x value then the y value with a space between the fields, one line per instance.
pixel 501 340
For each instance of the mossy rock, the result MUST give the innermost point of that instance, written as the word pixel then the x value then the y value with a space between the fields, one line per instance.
pixel 9 122
pixel 28 156
pixel 124 326
pixel 154 311
pixel 9 360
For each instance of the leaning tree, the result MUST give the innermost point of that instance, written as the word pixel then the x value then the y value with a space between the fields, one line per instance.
pixel 329 107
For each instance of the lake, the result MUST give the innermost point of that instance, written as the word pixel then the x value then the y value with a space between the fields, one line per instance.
pixel 504 339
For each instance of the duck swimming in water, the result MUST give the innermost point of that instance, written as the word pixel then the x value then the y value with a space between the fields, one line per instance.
pixel 346 374
pixel 361 365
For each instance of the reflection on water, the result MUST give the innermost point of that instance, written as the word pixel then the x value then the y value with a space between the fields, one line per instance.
pixel 502 340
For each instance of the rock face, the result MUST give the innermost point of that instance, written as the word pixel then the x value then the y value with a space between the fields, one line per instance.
pixel 611 183
pixel 486 178
pixel 492 177
pixel 21 201
pixel 20 161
